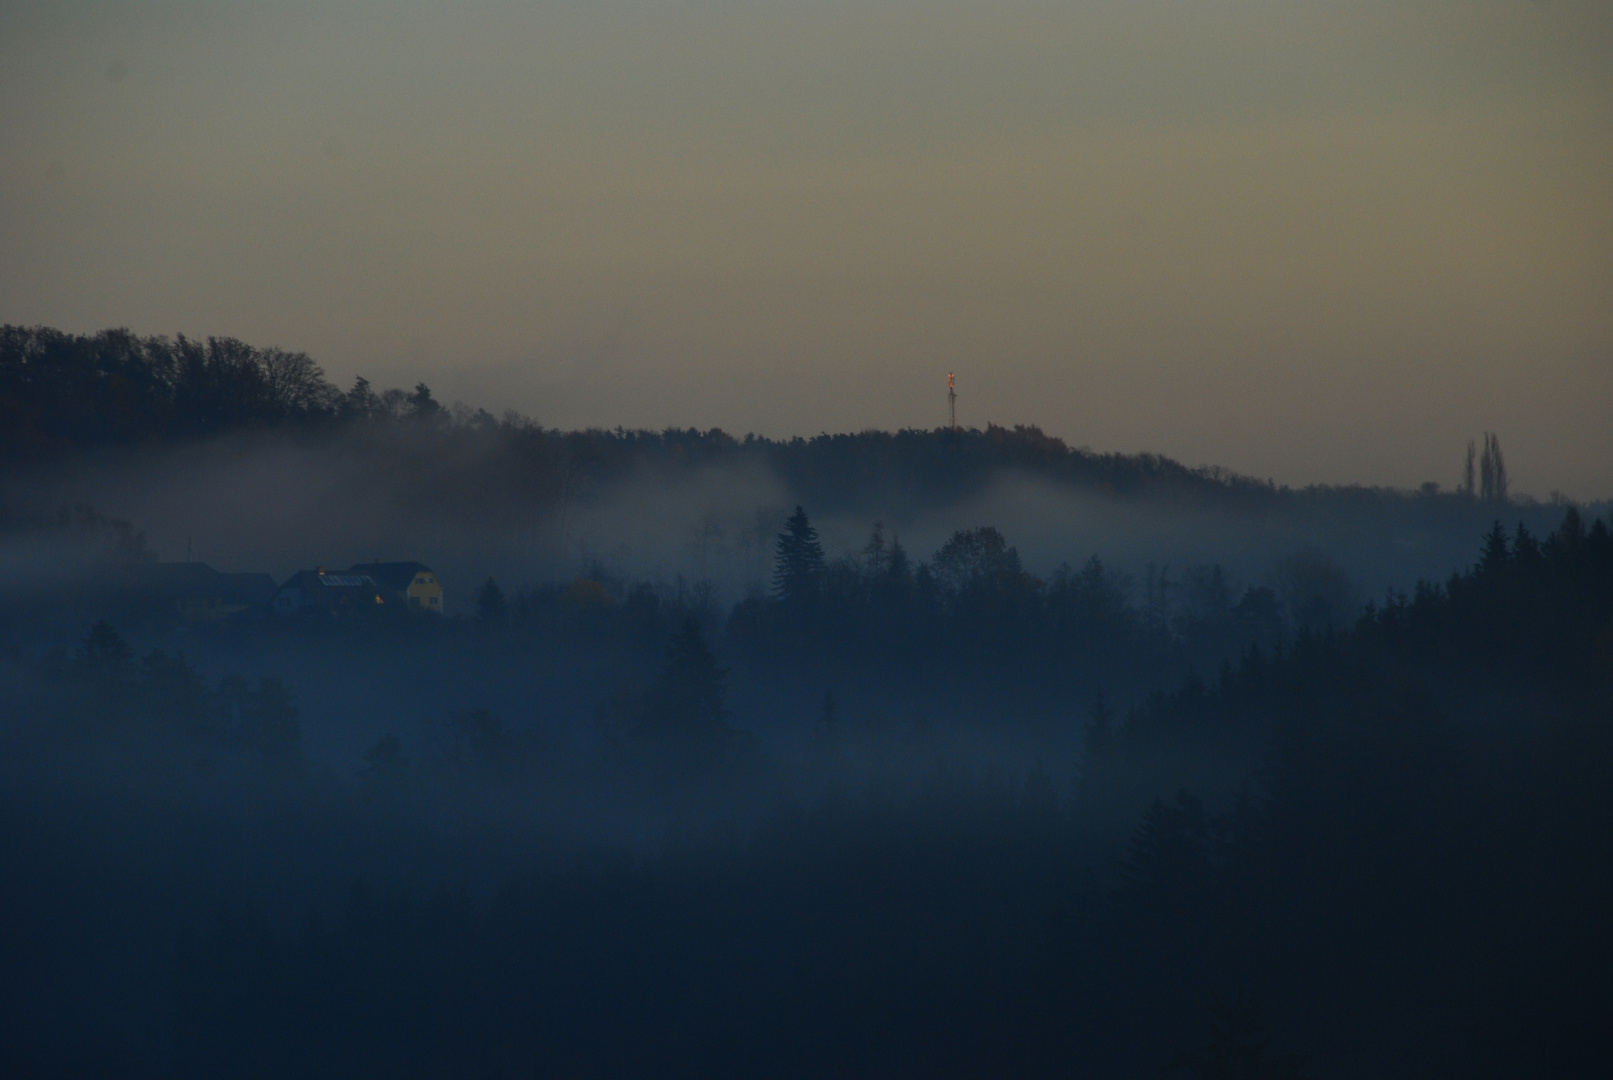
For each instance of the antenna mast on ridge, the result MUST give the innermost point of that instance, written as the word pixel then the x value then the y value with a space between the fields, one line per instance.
pixel 952 404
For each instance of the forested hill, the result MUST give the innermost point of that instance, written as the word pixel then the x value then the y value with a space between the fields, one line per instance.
pixel 1398 864
pixel 63 393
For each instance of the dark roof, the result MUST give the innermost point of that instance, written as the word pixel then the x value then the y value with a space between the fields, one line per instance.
pixel 194 580
pixel 175 578
pixel 246 588
pixel 313 579
pixel 392 576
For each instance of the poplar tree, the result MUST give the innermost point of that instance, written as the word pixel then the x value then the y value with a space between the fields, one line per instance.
pixel 1492 470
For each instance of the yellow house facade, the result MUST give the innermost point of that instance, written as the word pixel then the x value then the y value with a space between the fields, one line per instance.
pixel 413 585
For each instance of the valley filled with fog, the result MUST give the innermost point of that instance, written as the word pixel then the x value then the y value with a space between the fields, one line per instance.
pixel 344 732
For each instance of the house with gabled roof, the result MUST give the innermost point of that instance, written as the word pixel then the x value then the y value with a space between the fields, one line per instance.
pixel 321 593
pixel 411 585
pixel 194 592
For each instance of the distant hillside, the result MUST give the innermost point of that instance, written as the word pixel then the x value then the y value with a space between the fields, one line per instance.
pixel 61 393
pixel 301 469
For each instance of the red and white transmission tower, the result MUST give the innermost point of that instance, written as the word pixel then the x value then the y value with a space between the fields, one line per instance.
pixel 952 403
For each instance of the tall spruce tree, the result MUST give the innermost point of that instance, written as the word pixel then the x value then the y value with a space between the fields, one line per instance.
pixel 798 562
pixel 689 697
pixel 491 608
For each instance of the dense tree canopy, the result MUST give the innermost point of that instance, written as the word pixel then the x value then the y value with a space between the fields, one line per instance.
pixel 62 392
pixel 931 814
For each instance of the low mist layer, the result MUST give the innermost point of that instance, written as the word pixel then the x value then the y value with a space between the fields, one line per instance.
pixel 950 752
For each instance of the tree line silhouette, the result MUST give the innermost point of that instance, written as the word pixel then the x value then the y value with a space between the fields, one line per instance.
pixel 968 613
pixel 1406 873
pixel 62 393
pixel 1294 834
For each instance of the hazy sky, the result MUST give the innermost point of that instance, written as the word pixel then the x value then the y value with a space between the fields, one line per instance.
pixel 1315 240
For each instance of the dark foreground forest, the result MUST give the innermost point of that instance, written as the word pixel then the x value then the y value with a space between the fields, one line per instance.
pixel 890 811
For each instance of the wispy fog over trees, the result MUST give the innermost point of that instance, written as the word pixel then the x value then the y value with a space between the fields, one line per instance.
pixel 79 402
pixel 850 778
pixel 1378 846
pixel 64 393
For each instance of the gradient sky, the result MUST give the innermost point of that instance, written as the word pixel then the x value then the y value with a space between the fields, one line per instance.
pixel 1318 241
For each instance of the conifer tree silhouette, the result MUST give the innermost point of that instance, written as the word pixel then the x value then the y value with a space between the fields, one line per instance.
pixel 798 563
pixel 689 698
pixel 491 608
